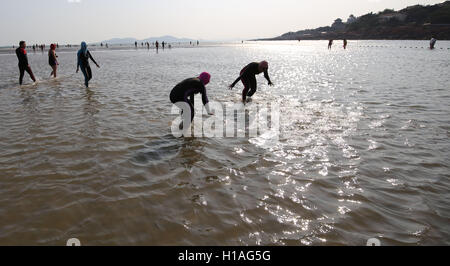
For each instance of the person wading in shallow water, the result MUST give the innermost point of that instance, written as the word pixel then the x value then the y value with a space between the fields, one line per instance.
pixel 52 60
pixel 330 44
pixel 432 43
pixel 83 62
pixel 182 95
pixel 248 78
pixel 23 62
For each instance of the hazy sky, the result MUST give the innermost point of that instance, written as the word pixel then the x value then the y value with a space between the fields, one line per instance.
pixel 69 21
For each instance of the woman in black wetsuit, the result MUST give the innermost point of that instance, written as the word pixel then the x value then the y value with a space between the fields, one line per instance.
pixel 183 96
pixel 248 77
pixel 52 61
pixel 83 62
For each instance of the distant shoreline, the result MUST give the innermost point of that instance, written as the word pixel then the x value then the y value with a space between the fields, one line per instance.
pixel 411 23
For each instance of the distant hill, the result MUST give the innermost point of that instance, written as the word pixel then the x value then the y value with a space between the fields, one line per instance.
pixel 169 39
pixel 414 23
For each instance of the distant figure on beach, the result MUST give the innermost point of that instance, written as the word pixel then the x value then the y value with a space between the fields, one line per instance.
pixel 330 44
pixel 163 45
pixel 432 43
pixel 248 78
pixel 157 46
pixel 83 62
pixel 107 46
pixel 52 59
pixel 34 48
pixel 135 45
pixel 345 44
pixel 198 43
pixel 183 94
pixel 21 53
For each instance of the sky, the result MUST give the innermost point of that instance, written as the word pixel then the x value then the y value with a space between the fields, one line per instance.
pixel 70 21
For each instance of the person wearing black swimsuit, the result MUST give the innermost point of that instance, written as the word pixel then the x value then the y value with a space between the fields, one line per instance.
pixel 23 62
pixel 182 95
pixel 248 78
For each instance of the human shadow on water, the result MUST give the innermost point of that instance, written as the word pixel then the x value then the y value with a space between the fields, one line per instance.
pixel 159 150
pixel 168 149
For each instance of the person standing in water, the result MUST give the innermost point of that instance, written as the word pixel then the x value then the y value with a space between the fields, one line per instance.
pixel 330 44
pixel 345 44
pixel 21 53
pixel 83 62
pixel 432 43
pixel 183 94
pixel 248 78
pixel 52 59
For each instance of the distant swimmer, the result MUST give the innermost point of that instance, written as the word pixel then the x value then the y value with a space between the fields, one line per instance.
pixel 23 62
pixel 248 78
pixel 345 44
pixel 52 59
pixel 183 95
pixel 432 43
pixel 83 62
pixel 330 44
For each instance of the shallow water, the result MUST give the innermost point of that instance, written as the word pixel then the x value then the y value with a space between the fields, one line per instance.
pixel 363 149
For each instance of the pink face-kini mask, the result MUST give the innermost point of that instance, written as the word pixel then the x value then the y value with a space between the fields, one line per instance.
pixel 205 78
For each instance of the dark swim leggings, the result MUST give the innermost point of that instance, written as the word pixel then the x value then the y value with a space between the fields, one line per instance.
pixel 249 87
pixel 22 73
pixel 177 102
pixel 87 72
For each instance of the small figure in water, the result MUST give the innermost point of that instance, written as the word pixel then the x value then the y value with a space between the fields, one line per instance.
pixel 52 59
pixel 330 44
pixel 432 43
pixel 83 62
pixel 183 96
pixel 345 44
pixel 248 78
pixel 23 62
